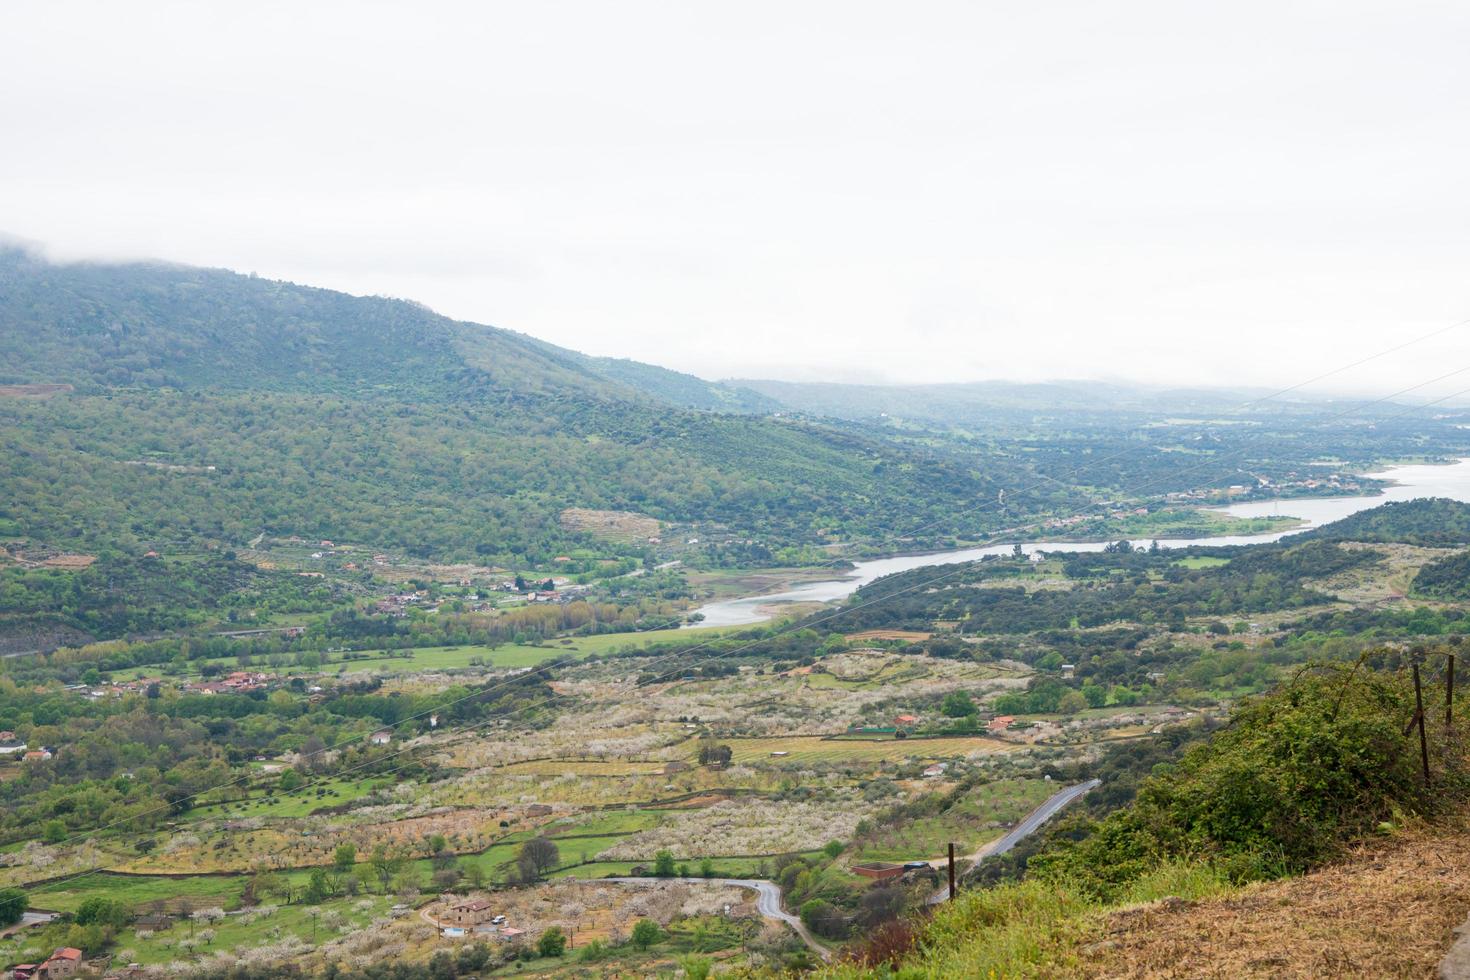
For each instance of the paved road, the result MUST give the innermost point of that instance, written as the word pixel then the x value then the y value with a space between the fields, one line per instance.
pixel 1028 826
pixel 767 902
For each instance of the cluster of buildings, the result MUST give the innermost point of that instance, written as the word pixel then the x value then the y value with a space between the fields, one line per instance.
pixel 236 682
pixel 14 747
pixel 398 605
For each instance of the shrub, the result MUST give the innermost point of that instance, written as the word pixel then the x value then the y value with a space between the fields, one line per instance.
pixel 102 911
pixel 12 905
pixel 1293 778
pixel 645 933
pixel 553 942
pixel 889 944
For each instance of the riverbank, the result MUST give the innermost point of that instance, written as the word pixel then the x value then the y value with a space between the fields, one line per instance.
pixel 1450 480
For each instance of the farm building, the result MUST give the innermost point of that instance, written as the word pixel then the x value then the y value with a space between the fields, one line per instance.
pixel 878 870
pixel 470 913
pixel 62 963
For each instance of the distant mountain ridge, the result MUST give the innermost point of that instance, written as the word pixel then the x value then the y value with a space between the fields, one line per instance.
pixel 207 406
pixel 151 324
pixel 971 401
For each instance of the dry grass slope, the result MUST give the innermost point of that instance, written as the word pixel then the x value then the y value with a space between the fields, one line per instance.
pixel 1387 911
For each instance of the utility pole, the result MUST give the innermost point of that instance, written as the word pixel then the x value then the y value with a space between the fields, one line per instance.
pixel 952 891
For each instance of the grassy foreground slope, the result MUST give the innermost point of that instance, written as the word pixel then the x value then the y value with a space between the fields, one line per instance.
pixel 1296 782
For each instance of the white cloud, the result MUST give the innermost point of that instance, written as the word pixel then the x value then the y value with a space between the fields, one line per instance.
pixel 948 191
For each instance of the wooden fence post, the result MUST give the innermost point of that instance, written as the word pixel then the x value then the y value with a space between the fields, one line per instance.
pixel 1449 694
pixel 1423 737
pixel 952 891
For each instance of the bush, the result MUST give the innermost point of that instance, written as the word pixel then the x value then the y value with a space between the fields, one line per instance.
pixel 645 933
pixel 102 911
pixel 889 944
pixel 1287 784
pixel 12 905
pixel 553 942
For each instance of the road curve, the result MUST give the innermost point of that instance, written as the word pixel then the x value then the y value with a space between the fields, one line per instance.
pixel 768 893
pixel 767 902
pixel 1028 826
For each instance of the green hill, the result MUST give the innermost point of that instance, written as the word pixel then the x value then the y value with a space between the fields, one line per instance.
pixel 209 406
pixel 1430 522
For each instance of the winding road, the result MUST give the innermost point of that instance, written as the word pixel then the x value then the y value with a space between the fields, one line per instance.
pixel 767 902
pixel 1028 826
pixel 768 893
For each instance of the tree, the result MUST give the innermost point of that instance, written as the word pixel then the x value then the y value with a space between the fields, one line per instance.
pixel 537 856
pixel 54 832
pixel 12 906
pixel 345 856
pixel 880 904
pixel 645 933
pixel 102 911
pixel 696 967
pixel 957 704
pixel 823 918
pixel 712 753
pixel 706 868
pixel 318 889
pixel 1071 703
pixel 290 779
pixel 663 864
pixel 385 865
pixel 553 942
pixel 314 753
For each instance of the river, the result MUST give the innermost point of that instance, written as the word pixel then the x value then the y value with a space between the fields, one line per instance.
pixel 1418 480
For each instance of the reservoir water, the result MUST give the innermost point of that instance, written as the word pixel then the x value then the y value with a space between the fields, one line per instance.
pixel 1418 480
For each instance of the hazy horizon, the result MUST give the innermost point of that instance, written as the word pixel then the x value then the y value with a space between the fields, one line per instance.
pixel 1240 197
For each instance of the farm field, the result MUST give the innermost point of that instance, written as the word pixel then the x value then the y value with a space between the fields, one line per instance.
pixel 807 750
pixel 980 815
pixel 500 657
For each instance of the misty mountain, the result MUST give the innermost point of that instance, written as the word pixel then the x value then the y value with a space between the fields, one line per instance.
pixel 207 406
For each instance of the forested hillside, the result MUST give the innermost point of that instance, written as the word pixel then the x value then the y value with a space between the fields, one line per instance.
pixel 209 407
pixel 1430 522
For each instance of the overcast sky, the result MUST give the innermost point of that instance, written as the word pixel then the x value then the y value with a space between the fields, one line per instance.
pixel 1218 193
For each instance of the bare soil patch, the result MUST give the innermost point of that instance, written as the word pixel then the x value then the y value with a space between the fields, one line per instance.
pixel 34 390
pixel 611 525
pixel 911 636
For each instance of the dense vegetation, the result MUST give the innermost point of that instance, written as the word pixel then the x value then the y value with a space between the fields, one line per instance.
pixel 1294 777
pixel 1125 586
pixel 132 762
pixel 1430 522
pixel 129 595
pixel 1292 781
pixel 1447 578
pixel 209 407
